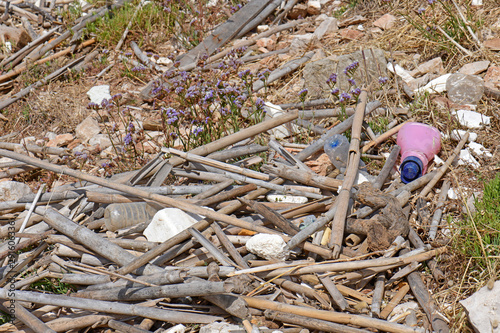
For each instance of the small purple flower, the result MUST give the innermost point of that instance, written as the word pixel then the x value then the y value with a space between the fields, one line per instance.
pixel 116 97
pixel 93 105
pixel 131 127
pixel 259 103
pixel 197 130
pixel 356 92
pixel 303 94
pixel 128 54
pixel 351 81
pixel 332 79
pixel 105 51
pixel 431 2
pixel 420 11
pixel 178 90
pixel 351 68
pixel 335 91
pixel 383 80
pixel 105 164
pixel 128 139
pixel 244 74
pixel 344 97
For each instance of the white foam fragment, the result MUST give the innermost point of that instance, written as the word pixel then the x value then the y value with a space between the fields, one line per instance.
pixel 457 135
pixel 479 149
pixel 471 119
pixel 401 72
pixel 466 158
pixel 286 198
pixel 437 85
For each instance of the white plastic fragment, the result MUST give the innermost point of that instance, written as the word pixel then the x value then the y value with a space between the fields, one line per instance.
pixel 457 135
pixel 466 158
pixel 437 85
pixel 472 119
pixel 438 160
pixel 99 93
pixel 401 72
pixel 286 198
pixel 268 246
pixel 281 131
pixel 168 222
pixel 479 150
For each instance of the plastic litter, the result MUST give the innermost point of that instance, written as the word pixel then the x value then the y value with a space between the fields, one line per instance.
pixel 122 215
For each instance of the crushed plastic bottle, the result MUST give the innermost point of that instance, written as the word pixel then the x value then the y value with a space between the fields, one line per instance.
pixel 419 143
pixel 337 149
pixel 123 215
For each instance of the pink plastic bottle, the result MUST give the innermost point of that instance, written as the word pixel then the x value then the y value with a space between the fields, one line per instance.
pixel 419 143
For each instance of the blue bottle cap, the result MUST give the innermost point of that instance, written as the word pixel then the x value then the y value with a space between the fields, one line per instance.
pixel 411 169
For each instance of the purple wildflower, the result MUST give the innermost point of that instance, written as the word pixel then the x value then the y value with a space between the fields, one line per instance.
pixel 351 68
pixel 335 91
pixel 351 81
pixel 128 139
pixel 383 80
pixel 344 97
pixel 420 11
pixel 356 92
pixel 332 79
pixel 303 94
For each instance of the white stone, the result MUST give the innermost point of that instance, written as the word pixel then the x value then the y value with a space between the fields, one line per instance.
pixel 176 329
pixel 401 309
pixel 483 309
pixel 401 72
pixel 281 131
pixel 329 25
pixel 286 198
pixel 438 160
pixel 262 28
pixel 437 85
pixel 471 119
pixel 360 27
pixel 11 190
pixel 452 195
pixel 219 328
pixel 466 158
pixel 301 41
pixel 457 135
pixel 87 129
pixel 212 3
pixel 479 149
pixel 99 93
pixel 268 246
pixel 168 222
pixel 100 139
pixel 477 2
pixel 164 61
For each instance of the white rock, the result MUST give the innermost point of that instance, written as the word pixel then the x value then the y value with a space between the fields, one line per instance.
pixel 281 131
pixel 168 222
pixel 329 25
pixel 268 246
pixel 452 195
pixel 401 72
pixel 466 158
pixel 99 93
pixel 176 329
pixel 286 198
pixel 262 28
pixel 477 2
pixel 87 129
pixel 100 139
pixel 164 61
pixel 457 135
pixel 479 149
pixel 360 27
pixel 11 190
pixel 437 85
pixel 301 41
pixel 401 309
pixel 483 309
pixel 219 328
pixel 471 119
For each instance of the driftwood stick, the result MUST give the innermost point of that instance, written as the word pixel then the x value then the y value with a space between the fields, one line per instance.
pixel 338 223
pixel 282 71
pixel 436 218
pixel 339 129
pixel 194 288
pixel 312 323
pixel 27 317
pixel 382 137
pixel 298 288
pixel 334 292
pixel 442 170
pixel 109 307
pixel 123 327
pixel 213 190
pixel 143 58
pixel 265 12
pixel 378 294
pixel 395 301
pixel 303 177
pixel 227 195
pixel 387 168
pixel 228 245
pixel 355 265
pixel 210 248
pixel 35 149
pixel 336 317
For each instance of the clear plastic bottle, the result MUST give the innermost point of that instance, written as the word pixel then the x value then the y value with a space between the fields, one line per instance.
pixel 122 215
pixel 337 149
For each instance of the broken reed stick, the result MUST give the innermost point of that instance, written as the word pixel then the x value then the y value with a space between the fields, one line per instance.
pixel 300 289
pixel 144 58
pixel 21 68
pixel 123 327
pixel 436 218
pixel 336 317
pixel 339 129
pixel 395 301
pixel 109 307
pixel 311 323
pixel 387 168
pixel 226 243
pixel 35 149
pixel 26 317
pixel 442 170
pixel 356 265
pixel 282 71
pixel 454 42
pixel 214 251
pixel 213 190
pixel 224 196
pixel 337 296
pixel 16 171
pixel 193 288
pixel 303 177
pixel 378 294
pixel 382 137
pixel 338 223
pixel 216 164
